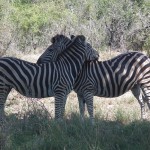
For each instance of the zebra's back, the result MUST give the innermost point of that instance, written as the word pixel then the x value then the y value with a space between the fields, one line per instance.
pixel 27 78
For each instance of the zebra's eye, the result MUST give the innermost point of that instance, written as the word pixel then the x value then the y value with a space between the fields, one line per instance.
pixel 72 36
pixel 51 50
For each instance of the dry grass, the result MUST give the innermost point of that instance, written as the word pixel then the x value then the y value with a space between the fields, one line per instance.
pixel 106 108
pixel 30 125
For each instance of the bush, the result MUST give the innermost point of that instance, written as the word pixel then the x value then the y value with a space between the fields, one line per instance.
pixel 117 24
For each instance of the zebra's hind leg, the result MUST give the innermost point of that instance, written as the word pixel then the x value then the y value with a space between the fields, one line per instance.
pixel 88 97
pixel 137 92
pixel 81 106
pixel 4 91
pixel 146 92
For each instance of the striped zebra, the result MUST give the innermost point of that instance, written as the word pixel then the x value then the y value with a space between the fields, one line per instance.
pixel 112 78
pixel 47 79
pixel 60 43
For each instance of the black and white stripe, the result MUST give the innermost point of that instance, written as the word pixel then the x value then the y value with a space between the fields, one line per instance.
pixel 47 79
pixel 112 78
pixel 52 52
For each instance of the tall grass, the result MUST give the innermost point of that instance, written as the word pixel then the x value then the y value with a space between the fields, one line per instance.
pixel 37 130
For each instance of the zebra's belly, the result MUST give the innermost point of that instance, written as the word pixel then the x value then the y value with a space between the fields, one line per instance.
pixel 34 93
pixel 108 95
pixel 114 92
pixel 112 88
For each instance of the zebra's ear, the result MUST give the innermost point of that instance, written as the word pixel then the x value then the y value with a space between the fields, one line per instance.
pixel 82 37
pixel 79 37
pixel 53 39
pixel 72 36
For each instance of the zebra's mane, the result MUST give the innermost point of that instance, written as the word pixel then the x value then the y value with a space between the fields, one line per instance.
pixel 67 48
pixel 58 36
pixel 73 41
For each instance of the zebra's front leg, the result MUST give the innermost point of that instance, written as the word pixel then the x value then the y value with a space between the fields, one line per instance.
pixel 137 92
pixel 60 102
pixel 88 97
pixel 81 106
pixel 63 106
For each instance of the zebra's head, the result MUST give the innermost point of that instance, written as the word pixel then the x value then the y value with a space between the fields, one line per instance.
pixel 59 44
pixel 91 53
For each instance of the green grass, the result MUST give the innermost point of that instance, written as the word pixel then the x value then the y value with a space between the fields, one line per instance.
pixel 37 131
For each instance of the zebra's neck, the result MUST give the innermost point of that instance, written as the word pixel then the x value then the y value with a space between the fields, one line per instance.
pixel 73 58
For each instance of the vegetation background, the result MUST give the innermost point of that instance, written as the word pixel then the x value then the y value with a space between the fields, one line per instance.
pixel 26 27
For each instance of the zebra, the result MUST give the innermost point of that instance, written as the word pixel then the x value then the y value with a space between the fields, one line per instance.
pixel 112 78
pixel 55 49
pixel 47 79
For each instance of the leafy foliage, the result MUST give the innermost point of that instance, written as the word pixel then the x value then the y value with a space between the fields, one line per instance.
pixel 117 24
